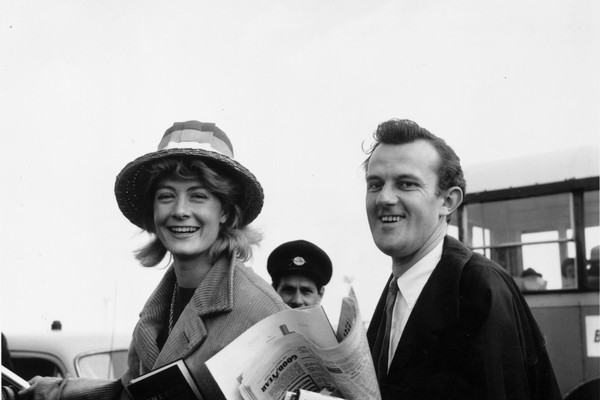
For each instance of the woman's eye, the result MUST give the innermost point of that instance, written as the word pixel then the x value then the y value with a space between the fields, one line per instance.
pixel 164 196
pixel 199 195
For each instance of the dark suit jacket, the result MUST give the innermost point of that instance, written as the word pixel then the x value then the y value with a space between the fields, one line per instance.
pixel 470 335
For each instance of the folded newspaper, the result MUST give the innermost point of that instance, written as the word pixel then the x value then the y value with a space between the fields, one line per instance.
pixel 298 349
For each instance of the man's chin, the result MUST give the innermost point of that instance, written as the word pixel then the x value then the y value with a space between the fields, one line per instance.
pixel 388 248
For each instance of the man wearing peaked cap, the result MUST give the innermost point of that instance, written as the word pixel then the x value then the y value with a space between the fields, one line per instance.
pixel 299 270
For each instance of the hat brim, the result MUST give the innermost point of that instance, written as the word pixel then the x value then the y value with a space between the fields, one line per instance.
pixel 131 182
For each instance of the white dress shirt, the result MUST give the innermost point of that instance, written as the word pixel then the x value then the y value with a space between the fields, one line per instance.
pixel 410 286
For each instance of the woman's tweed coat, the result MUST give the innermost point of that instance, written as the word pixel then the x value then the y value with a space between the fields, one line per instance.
pixel 230 299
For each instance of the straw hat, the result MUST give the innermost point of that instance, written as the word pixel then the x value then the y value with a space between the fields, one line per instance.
pixel 201 140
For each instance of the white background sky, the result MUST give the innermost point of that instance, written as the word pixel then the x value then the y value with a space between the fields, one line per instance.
pixel 87 86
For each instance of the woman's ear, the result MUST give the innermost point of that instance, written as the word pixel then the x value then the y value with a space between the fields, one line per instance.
pixel 451 200
pixel 224 217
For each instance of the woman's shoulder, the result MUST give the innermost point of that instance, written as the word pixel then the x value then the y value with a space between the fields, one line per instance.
pixel 253 290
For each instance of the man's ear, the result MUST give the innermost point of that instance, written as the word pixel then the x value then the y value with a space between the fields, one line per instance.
pixel 452 198
pixel 322 291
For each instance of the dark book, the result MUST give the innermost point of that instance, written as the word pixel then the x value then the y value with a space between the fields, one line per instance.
pixel 172 381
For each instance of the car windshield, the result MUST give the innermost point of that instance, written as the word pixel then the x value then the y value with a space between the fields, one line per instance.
pixel 105 365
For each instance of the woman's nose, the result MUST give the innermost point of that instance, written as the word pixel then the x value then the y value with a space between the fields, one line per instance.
pixel 181 208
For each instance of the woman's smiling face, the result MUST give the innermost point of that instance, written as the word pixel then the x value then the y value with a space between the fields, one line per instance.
pixel 187 218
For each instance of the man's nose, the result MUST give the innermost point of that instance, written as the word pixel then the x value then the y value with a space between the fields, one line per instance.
pixel 297 300
pixel 387 195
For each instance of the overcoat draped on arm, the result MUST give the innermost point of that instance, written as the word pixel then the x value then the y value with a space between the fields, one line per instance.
pixel 471 335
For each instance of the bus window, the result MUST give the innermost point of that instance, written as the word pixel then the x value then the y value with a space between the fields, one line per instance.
pixel 592 238
pixel 531 237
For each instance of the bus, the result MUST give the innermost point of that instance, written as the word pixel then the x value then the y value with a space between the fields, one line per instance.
pixel 537 217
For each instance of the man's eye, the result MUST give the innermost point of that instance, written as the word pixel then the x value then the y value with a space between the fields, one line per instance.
pixel 406 185
pixel 373 186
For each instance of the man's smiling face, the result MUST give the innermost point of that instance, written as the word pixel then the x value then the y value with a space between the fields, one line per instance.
pixel 403 203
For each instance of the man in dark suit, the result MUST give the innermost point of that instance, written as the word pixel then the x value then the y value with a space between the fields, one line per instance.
pixel 455 325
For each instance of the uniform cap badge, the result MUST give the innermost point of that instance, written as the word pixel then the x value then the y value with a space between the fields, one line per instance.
pixel 299 261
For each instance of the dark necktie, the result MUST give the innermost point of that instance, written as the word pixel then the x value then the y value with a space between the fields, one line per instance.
pixel 389 309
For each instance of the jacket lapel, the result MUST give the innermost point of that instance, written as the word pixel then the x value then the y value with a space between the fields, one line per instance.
pixel 376 330
pixel 214 295
pixel 152 320
pixel 437 306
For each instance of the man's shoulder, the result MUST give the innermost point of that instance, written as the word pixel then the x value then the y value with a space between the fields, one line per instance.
pixel 486 285
pixel 479 265
pixel 472 262
pixel 478 274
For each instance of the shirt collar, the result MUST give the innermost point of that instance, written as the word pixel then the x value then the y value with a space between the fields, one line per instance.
pixel 411 283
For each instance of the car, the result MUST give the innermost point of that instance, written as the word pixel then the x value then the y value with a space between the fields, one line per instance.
pixel 63 353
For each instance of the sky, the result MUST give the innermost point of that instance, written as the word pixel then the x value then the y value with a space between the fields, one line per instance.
pixel 299 87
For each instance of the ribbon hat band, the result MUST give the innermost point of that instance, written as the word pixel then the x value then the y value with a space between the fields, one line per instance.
pixel 195 139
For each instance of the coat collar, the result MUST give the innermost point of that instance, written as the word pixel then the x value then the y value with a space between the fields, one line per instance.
pixel 214 295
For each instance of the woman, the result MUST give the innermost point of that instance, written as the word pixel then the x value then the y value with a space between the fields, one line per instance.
pixel 196 202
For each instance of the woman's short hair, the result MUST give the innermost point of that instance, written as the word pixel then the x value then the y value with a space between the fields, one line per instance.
pixel 233 239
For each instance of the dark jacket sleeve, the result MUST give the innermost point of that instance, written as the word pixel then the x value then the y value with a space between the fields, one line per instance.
pixel 508 354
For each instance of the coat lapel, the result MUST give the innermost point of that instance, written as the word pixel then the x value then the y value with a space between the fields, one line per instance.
pixel 152 320
pixel 436 308
pixel 214 295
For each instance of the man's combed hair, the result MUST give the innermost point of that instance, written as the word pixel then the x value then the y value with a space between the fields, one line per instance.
pixel 233 239
pixel 404 131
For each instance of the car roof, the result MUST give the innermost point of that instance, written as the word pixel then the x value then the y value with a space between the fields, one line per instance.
pixel 66 344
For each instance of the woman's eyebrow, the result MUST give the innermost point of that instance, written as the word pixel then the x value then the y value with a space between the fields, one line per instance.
pixel 197 187
pixel 164 186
